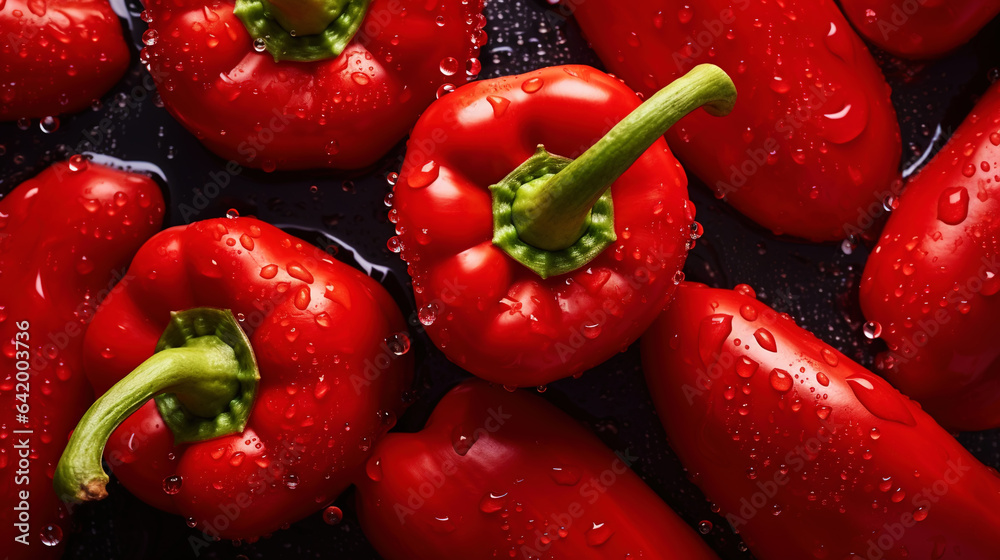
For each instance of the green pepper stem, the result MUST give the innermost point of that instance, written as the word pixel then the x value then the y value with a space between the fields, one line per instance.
pixel 553 214
pixel 302 30
pixel 305 17
pixel 207 375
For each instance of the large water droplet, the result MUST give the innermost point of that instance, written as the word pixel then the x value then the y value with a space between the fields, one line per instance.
pixel 51 535
pixel 781 380
pixel 880 399
pixel 499 104
pixel 598 534
pixel 172 484
pixel 427 174
pixel 712 334
pixel 398 343
pixel 953 205
pixel 333 515
pixel 765 339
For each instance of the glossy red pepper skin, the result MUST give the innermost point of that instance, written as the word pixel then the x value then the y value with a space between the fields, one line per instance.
pixel 330 383
pixel 344 112
pixel 932 282
pixel 808 454
pixel 57 56
pixel 65 238
pixel 813 140
pixel 487 312
pixel 919 29
pixel 498 474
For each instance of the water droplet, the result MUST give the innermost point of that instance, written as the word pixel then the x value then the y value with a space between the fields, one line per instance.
pixel 822 379
pixel 473 67
pixel 779 85
pixel 499 104
pixel 333 515
pixel 748 312
pixel 394 244
pixel 291 481
pixel 77 163
pixel 839 43
pixel 299 272
pixel 172 484
pixel 51 535
pixel 444 90
pixel 781 380
pixel 872 330
pixel 259 44
pixel 360 78
pixel 765 339
pixel 232 213
pixel 705 527
pixel 953 205
pixel 462 439
pixel 746 367
pixel 48 125
pixel 598 534
pixel 712 334
pixel 564 476
pixel 428 314
pixel 427 174
pixel 492 502
pixel 398 343
pixel 880 399
pixel 449 66
pixel 149 37
pixel 532 85
pixel 269 271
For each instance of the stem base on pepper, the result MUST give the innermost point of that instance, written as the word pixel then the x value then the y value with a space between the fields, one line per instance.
pixel 598 231
pixel 287 44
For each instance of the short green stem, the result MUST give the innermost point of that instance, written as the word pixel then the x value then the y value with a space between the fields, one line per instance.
pixel 302 30
pixel 305 17
pixel 553 214
pixel 205 370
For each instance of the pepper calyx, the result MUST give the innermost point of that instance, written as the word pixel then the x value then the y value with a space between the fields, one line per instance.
pixel 599 231
pixel 204 376
pixel 302 30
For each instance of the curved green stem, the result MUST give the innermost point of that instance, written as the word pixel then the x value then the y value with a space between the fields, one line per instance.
pixel 205 370
pixel 302 30
pixel 553 214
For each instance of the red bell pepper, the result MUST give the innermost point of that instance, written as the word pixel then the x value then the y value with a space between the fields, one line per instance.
pixel 556 273
pixel 920 29
pixel 333 360
pixel 57 56
pixel 496 474
pixel 295 84
pixel 65 238
pixel 931 286
pixel 814 141
pixel 808 454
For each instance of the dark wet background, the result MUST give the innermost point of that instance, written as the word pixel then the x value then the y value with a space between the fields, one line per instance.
pixel 815 284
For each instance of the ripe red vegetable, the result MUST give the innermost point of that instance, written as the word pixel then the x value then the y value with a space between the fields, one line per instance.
pixel 814 140
pixel 527 268
pixel 57 56
pixel 931 285
pixel 920 29
pixel 808 454
pixel 496 474
pixel 333 362
pixel 324 83
pixel 65 238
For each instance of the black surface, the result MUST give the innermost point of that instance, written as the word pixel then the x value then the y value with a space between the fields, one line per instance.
pixel 814 283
